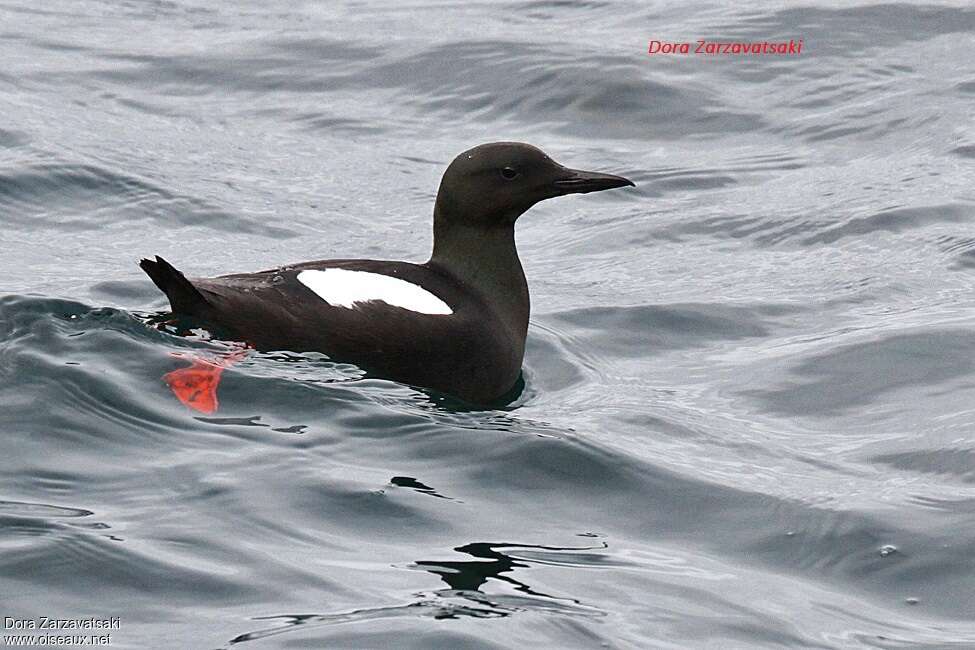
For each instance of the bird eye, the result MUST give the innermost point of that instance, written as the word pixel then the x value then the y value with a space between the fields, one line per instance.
pixel 508 173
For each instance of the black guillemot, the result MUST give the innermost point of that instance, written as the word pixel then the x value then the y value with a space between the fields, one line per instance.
pixel 456 324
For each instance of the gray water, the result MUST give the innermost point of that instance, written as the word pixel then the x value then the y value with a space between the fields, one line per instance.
pixel 748 419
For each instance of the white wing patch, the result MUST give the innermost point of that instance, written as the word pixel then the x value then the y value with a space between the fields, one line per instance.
pixel 345 288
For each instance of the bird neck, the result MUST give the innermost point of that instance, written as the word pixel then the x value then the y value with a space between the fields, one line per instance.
pixel 486 260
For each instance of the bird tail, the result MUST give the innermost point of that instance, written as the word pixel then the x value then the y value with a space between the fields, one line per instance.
pixel 184 298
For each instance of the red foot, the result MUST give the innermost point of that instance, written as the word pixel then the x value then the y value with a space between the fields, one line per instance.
pixel 196 386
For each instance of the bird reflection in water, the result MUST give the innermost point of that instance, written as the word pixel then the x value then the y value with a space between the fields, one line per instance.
pixel 464 579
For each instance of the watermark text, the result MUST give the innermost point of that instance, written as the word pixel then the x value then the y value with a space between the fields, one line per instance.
pixel 704 47
pixel 55 631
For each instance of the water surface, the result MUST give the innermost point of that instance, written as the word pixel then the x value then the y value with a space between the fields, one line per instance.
pixel 748 415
